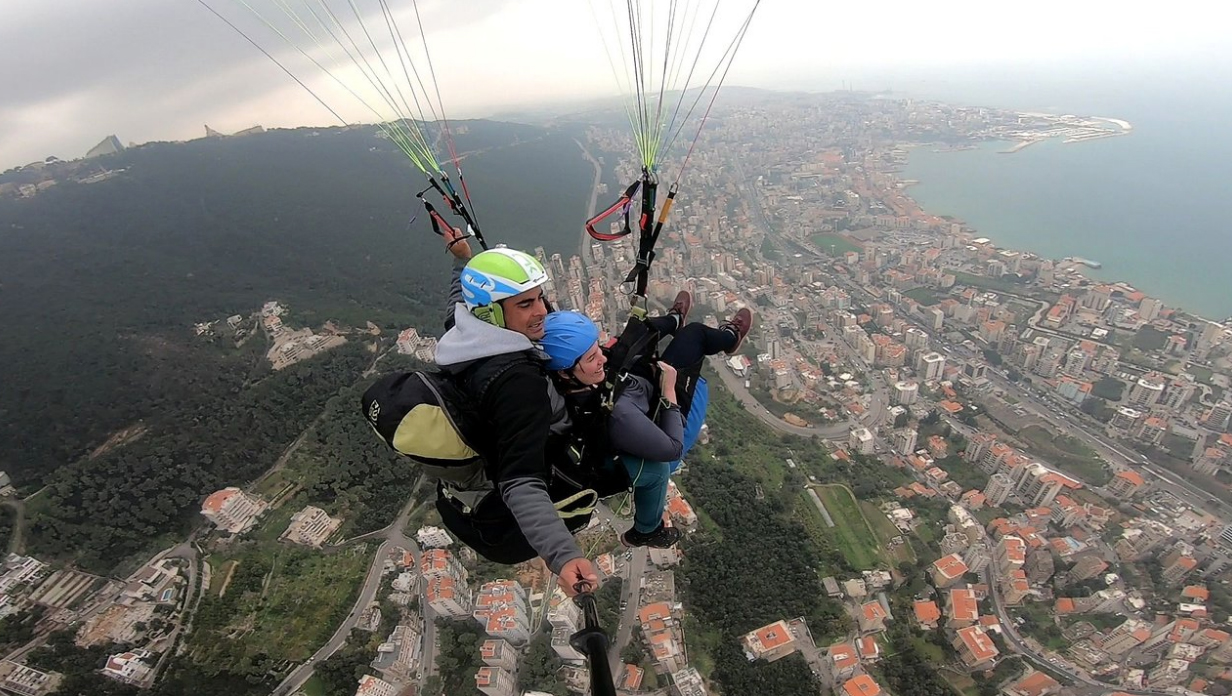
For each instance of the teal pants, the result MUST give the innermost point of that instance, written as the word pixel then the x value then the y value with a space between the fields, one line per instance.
pixel 649 480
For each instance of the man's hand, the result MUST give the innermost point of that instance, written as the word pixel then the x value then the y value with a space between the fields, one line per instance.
pixel 579 571
pixel 455 242
pixel 667 381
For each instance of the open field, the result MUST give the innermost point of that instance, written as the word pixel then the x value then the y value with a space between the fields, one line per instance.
pixel 989 283
pixel 924 296
pixel 852 533
pixel 1067 453
pixel 835 244
pixel 314 687
pixel 281 603
pixel 885 531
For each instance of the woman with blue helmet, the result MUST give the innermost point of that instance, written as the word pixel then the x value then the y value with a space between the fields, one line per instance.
pixel 646 434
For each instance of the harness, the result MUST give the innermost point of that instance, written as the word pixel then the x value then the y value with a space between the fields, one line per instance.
pixel 574 497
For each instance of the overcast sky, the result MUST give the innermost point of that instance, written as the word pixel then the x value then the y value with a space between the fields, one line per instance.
pixel 75 71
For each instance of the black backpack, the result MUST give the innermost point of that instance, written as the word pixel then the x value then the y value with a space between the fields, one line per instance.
pixel 431 418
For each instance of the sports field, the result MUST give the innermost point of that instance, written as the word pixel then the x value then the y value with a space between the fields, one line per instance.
pixel 834 244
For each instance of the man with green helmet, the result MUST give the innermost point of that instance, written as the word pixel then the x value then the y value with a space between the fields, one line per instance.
pixel 498 313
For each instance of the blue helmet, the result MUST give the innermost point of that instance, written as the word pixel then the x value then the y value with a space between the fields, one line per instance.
pixel 566 338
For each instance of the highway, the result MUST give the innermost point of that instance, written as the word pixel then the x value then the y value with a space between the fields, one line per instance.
pixel 1064 418
pixel 1117 457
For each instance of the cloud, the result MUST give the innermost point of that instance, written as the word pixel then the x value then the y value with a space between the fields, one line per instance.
pixel 77 70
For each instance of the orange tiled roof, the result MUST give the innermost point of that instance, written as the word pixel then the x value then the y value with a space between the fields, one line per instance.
pixel 963 606
pixel 843 655
pixel 1197 592
pixel 950 566
pixel 927 612
pixel 217 499
pixel 774 636
pixel 873 611
pixel 651 612
pixel 861 685
pixel 1036 684
pixel 978 643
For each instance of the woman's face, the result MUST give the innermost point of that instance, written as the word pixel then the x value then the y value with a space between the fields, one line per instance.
pixel 589 367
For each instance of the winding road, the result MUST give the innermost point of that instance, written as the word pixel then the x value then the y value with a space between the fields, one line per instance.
pixel 1010 633
pixel 372 582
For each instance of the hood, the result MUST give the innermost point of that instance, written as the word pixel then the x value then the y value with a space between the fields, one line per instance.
pixel 471 339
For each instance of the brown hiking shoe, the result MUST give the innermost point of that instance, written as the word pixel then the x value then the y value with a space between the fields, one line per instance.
pixel 681 307
pixel 740 324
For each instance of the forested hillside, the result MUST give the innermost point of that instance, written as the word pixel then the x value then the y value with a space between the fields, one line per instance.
pixel 101 285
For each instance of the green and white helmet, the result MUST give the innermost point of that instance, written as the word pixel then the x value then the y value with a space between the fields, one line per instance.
pixel 500 273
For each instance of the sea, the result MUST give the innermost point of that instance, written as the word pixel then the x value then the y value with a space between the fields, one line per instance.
pixel 1154 207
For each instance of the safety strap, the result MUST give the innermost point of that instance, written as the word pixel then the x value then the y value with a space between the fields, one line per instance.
pixel 622 203
pixel 649 228
pixel 588 494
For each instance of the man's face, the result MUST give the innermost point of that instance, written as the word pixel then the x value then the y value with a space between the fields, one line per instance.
pixel 525 313
pixel 589 368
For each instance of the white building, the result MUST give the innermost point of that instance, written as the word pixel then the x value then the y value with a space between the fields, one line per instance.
pixel 18 570
pixel 494 681
pixel 311 527
pixel 905 440
pixel 1040 485
pixel 930 366
pixel 860 440
pixel 233 510
pixel 448 597
pixel 439 563
pixel 499 654
pixel 433 538
pixel 1000 487
pixel 27 681
pixel 688 682
pixel 501 609
pixel 1147 391
pixel 129 667
pixel 906 393
pixel 372 686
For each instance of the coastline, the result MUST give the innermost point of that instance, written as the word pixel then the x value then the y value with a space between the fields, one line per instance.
pixel 1068 128
pixel 1067 256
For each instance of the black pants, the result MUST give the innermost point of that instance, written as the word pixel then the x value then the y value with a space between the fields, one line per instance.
pixel 692 342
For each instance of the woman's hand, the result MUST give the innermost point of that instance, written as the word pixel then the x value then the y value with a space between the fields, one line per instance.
pixel 667 382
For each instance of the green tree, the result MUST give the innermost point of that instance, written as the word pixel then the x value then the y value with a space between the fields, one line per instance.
pixel 1109 388
pixel 538 671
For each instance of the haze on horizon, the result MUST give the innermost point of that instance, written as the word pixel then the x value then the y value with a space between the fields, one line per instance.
pixel 152 70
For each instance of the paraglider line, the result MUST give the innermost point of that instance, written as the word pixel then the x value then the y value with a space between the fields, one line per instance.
pixel 275 61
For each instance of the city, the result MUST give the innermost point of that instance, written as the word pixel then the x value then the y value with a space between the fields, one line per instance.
pixel 1059 445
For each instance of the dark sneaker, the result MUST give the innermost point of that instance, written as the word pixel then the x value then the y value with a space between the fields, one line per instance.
pixel 661 538
pixel 740 324
pixel 681 307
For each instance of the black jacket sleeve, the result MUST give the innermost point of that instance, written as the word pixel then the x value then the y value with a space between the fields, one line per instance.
pixel 521 413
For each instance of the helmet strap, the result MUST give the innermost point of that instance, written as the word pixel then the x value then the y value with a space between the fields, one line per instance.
pixel 493 314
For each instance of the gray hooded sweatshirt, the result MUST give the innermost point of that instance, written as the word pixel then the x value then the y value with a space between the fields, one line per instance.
pixel 523 408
